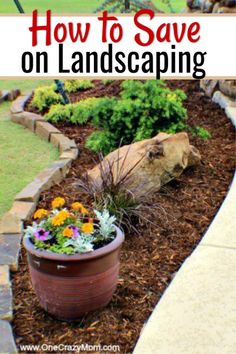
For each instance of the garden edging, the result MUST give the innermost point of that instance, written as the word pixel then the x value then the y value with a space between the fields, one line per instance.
pixel 196 313
pixel 11 224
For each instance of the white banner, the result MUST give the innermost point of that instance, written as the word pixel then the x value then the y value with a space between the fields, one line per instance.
pixel 137 46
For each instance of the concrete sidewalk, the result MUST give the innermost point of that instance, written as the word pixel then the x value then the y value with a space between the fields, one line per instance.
pixel 197 313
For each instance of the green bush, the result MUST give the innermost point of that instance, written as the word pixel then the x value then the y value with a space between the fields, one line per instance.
pixel 77 113
pixel 83 110
pixel 77 85
pixel 59 113
pixel 101 141
pixel 144 109
pixel 45 96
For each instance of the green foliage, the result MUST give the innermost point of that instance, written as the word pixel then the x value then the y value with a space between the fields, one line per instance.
pixel 77 85
pixel 77 113
pixel 143 110
pixel 59 113
pixel 201 132
pixel 101 141
pixel 107 82
pixel 83 110
pixel 116 195
pixel 45 96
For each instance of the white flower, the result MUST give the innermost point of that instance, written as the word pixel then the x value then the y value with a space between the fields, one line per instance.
pixel 106 223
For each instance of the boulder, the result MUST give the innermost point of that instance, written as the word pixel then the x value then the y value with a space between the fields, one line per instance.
pixel 152 163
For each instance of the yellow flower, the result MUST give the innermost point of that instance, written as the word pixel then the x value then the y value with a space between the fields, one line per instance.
pixel 40 213
pixel 77 206
pixel 58 202
pixel 67 232
pixel 87 228
pixel 84 211
pixel 60 218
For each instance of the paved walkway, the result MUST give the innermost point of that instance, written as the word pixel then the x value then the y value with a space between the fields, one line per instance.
pixel 197 313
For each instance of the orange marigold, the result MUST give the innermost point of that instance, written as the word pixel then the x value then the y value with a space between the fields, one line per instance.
pixel 77 206
pixel 84 211
pixel 58 202
pixel 67 232
pixel 60 218
pixel 87 228
pixel 40 213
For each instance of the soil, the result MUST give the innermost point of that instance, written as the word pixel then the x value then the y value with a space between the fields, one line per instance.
pixel 148 262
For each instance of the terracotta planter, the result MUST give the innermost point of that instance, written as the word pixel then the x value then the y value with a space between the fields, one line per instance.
pixel 69 286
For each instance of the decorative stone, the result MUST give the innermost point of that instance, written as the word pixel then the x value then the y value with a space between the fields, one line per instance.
pixel 4 95
pixel 70 154
pixel 43 181
pixel 31 119
pixel 150 163
pixel 31 192
pixel 27 119
pixel 5 294
pixel 66 144
pixel 18 105
pixel 13 94
pixel 50 176
pixel 7 343
pixel 62 165
pixel 10 223
pixel 10 245
pixel 45 129
pixel 55 139
pixel 222 100
pixel 23 210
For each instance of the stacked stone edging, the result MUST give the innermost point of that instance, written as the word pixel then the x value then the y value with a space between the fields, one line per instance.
pixel 24 205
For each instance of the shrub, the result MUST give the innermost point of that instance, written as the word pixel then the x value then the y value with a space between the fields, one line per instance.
pixel 59 112
pixel 83 110
pixel 77 85
pixel 101 141
pixel 77 113
pixel 144 109
pixel 45 96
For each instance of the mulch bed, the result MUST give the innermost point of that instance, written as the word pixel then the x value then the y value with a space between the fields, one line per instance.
pixel 148 262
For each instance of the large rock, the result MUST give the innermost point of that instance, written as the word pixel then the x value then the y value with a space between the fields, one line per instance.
pixel 152 162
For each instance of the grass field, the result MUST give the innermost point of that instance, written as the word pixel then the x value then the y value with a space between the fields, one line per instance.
pixel 22 154
pixel 72 6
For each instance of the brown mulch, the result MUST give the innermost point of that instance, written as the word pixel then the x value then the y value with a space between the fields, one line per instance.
pixel 148 262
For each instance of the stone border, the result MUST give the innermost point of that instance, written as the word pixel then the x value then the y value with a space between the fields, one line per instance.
pixel 191 316
pixel 6 95
pixel 25 203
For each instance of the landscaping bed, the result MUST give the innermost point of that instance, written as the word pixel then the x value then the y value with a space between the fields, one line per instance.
pixel 187 206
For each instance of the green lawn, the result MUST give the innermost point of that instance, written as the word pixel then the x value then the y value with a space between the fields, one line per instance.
pixel 22 154
pixel 72 6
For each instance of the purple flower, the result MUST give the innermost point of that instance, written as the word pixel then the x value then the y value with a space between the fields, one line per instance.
pixel 75 231
pixel 41 235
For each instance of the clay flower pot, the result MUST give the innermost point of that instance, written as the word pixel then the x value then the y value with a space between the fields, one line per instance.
pixel 68 286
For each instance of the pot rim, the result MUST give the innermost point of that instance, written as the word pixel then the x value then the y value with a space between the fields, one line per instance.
pixel 112 246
